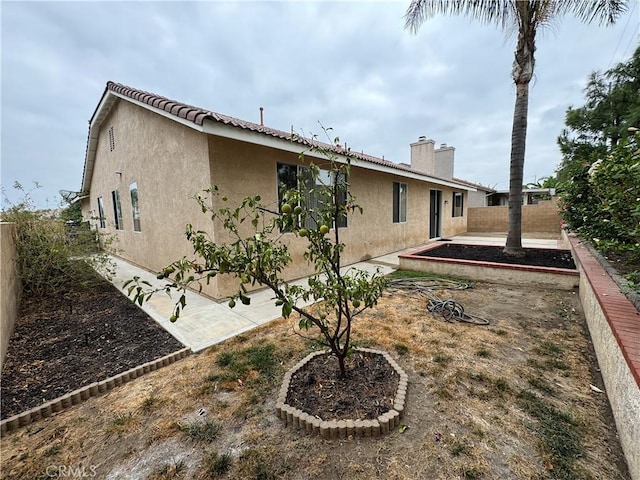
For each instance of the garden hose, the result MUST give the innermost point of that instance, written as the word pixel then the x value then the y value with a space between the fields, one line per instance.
pixel 424 288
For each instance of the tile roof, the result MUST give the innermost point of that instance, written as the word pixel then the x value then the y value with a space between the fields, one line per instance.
pixel 197 116
pixel 477 186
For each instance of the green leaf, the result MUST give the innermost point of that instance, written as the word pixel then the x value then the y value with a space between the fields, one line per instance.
pixel 305 323
pixel 286 309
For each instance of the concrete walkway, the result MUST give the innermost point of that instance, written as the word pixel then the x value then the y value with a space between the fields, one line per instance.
pixel 205 322
pixel 500 240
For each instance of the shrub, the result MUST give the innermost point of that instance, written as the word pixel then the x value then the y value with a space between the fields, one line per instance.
pixel 601 201
pixel 49 250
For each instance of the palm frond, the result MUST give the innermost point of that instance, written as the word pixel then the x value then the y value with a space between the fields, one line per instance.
pixel 497 12
pixel 605 12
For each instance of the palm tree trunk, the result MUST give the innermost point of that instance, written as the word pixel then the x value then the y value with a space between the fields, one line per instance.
pixel 521 73
pixel 516 171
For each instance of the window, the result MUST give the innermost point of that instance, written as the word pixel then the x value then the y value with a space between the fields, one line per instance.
pixel 112 140
pixel 299 177
pixel 399 202
pixel 117 210
pixel 101 218
pixel 458 204
pixel 135 209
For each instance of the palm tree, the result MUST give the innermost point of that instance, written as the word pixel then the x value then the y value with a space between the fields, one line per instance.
pixel 525 17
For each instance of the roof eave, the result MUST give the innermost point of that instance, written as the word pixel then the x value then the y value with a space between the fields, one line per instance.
pixel 302 146
pixel 101 112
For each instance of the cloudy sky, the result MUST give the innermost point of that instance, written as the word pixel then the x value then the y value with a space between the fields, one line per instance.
pixel 349 65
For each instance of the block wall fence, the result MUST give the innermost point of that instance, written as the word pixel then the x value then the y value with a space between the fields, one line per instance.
pixel 10 288
pixel 542 217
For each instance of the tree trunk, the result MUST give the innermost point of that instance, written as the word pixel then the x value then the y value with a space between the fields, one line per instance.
pixel 521 73
pixel 343 369
pixel 516 170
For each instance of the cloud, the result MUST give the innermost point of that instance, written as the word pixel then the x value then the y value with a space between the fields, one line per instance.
pixel 348 65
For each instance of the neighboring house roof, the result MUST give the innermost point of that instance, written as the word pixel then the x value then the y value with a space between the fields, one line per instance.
pixel 217 124
pixel 477 186
pixel 533 191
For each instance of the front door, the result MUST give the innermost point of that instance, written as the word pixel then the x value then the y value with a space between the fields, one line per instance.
pixel 435 206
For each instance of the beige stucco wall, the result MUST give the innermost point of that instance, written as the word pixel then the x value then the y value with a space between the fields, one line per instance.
pixel 169 162
pixel 242 169
pixel 477 199
pixel 542 217
pixel 10 288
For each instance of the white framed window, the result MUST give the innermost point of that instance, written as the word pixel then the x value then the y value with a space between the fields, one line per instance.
pixel 299 177
pixel 135 208
pixel 399 202
pixel 101 219
pixel 117 209
pixel 458 204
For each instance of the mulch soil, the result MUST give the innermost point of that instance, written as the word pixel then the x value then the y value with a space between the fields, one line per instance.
pixel 81 336
pixel 536 257
pixel 366 393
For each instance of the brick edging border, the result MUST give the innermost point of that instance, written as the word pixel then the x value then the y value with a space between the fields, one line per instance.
pixel 615 276
pixel 618 310
pixel 342 429
pixel 92 390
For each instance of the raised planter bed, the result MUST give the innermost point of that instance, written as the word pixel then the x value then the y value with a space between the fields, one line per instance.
pixel 92 390
pixel 486 271
pixel 345 428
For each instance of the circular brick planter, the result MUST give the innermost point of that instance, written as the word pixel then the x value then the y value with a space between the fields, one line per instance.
pixel 342 429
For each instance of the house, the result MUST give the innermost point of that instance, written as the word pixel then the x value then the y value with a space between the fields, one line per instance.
pixel 148 156
pixel 482 195
pixel 530 196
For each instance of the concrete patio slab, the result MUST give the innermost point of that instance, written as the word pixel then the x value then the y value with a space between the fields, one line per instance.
pixel 501 240
pixel 205 322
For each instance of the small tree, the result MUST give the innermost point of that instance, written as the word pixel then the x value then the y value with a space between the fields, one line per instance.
pixel 257 254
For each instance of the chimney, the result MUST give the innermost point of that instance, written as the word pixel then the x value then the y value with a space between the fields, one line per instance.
pixel 422 158
pixel 426 159
pixel 443 161
pixel 261 117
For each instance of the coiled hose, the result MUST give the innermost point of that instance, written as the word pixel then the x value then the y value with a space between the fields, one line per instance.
pixel 424 287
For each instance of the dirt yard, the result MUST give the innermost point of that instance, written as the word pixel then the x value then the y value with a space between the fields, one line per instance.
pixel 83 335
pixel 510 400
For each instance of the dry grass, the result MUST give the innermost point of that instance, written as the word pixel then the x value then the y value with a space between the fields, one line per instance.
pixel 483 402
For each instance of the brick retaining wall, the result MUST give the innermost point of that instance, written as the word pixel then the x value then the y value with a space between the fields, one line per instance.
pixel 614 326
